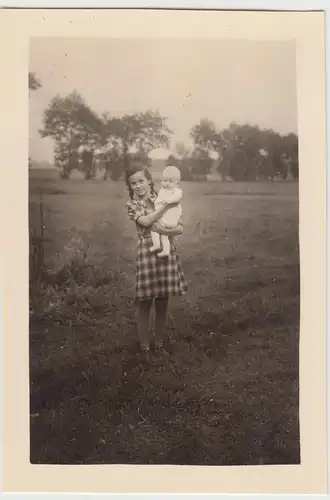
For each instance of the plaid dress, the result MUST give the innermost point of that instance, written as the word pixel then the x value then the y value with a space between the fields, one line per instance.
pixel 155 277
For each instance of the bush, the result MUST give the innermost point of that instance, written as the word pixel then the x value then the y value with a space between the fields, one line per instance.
pixel 74 287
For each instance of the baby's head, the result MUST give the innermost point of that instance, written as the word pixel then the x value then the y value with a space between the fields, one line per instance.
pixel 171 177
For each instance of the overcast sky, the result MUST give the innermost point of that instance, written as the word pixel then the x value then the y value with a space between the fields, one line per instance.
pixel 223 80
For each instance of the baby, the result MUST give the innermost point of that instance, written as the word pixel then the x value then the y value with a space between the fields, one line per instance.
pixel 170 192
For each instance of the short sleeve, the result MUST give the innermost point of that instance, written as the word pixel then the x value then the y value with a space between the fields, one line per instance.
pixel 134 210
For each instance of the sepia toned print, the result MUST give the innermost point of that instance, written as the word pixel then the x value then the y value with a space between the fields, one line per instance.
pixel 28 380
pixel 189 358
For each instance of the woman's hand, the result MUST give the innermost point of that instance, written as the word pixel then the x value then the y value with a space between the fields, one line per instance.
pixel 168 204
pixel 152 217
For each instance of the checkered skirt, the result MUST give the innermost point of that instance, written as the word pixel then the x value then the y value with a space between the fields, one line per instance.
pixel 157 276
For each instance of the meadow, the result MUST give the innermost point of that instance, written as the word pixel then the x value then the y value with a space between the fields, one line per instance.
pixel 228 391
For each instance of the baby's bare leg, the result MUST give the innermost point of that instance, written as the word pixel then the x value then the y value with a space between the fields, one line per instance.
pixel 155 241
pixel 166 246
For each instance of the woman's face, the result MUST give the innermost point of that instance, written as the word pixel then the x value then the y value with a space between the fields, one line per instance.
pixel 140 184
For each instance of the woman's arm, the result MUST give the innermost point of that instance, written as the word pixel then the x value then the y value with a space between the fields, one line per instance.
pixel 148 220
pixel 176 231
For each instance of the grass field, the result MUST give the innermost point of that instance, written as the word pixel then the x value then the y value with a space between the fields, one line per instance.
pixel 228 392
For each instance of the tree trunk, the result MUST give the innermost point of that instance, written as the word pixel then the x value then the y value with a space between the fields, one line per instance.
pixel 65 171
pixel 289 176
pixel 88 165
pixel 126 156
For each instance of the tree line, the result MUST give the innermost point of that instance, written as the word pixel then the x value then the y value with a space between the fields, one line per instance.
pixel 246 152
pixel 87 141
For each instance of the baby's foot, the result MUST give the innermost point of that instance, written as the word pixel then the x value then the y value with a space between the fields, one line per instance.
pixel 154 248
pixel 163 254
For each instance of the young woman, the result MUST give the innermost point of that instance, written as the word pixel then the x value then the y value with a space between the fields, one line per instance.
pixel 156 278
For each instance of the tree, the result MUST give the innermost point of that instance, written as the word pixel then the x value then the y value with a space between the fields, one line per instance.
pixel 113 164
pixel 172 161
pixel 181 150
pixel 241 144
pixel 291 153
pixel 72 124
pixel 139 132
pixel 201 163
pixel 183 161
pixel 66 160
pixel 204 135
pixel 151 131
pixel 275 165
pixel 246 152
pixel 140 158
pixel 261 165
pixel 227 149
pixel 112 157
pixel 185 167
pixel 207 139
pixel 34 83
pixel 88 164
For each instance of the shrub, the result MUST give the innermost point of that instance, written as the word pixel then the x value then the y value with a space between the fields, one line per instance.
pixel 74 287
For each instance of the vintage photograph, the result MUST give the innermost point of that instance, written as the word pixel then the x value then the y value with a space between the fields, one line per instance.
pixel 164 270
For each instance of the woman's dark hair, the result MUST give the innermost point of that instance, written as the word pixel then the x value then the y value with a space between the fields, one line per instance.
pixel 133 169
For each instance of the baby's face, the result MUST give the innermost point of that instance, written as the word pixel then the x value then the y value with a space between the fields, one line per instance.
pixel 169 182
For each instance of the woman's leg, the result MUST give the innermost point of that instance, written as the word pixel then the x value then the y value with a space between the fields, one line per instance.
pixel 161 309
pixel 143 315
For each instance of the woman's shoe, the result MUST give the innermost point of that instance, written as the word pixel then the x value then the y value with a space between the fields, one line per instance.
pixel 146 353
pixel 160 349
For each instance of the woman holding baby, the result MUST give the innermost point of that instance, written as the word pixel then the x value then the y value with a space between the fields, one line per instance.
pixel 158 269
